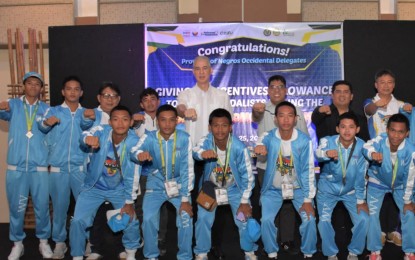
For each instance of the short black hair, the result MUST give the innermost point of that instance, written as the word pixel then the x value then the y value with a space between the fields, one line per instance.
pixel 349 115
pixel 285 103
pixel 220 112
pixel 121 108
pixel 398 118
pixel 342 82
pixel 72 78
pixel 148 92
pixel 166 107
pixel 384 72
pixel 109 84
pixel 277 77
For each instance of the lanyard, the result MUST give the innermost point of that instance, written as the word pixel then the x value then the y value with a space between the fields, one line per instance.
pixel 344 169
pixel 117 158
pixel 173 160
pixel 281 163
pixel 395 170
pixel 29 119
pixel 227 155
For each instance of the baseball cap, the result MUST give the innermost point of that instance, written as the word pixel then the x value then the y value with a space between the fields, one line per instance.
pixel 33 74
pixel 117 221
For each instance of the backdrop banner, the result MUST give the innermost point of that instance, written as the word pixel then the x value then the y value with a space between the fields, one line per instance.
pixel 243 56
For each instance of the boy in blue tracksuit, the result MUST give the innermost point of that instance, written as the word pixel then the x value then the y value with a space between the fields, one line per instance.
pixel 289 175
pixel 27 165
pixel 228 166
pixel 66 158
pixel 391 169
pixel 343 179
pixel 112 177
pixel 170 179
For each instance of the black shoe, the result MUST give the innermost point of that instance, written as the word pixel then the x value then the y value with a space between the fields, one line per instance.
pixel 290 248
pixel 162 247
pixel 217 252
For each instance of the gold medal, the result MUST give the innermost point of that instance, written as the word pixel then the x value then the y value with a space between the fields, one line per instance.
pixel 29 134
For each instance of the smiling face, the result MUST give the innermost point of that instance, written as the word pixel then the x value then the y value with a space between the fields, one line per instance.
pixel 397 132
pixel 108 99
pixel 220 128
pixel 150 103
pixel 72 91
pixel 32 87
pixel 202 71
pixel 277 91
pixel 342 96
pixel 385 85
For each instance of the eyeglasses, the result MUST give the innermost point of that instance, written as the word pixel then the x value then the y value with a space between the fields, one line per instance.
pixel 274 87
pixel 109 96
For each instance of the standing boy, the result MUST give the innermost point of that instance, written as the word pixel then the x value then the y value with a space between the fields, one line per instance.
pixel 391 170
pixel 66 158
pixel 228 167
pixel 343 179
pixel 289 176
pixel 27 165
pixel 112 177
pixel 170 179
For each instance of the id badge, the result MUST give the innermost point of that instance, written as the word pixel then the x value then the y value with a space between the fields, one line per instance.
pixel 172 189
pixel 221 196
pixel 287 191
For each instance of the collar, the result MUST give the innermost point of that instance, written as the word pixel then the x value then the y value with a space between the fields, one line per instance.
pixel 293 136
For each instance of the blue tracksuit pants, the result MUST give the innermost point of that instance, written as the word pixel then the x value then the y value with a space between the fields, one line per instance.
pixel 205 221
pixel 86 207
pixel 325 205
pixel 60 185
pixel 18 186
pixel 271 201
pixel 375 197
pixel 153 199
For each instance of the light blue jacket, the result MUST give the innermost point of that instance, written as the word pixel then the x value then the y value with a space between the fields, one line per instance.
pixel 183 169
pixel 239 162
pixel 331 176
pixel 380 175
pixel 302 152
pixel 25 153
pixel 130 170
pixel 63 138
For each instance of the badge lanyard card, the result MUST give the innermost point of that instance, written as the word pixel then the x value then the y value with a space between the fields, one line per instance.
pixel 117 158
pixel 221 192
pixel 29 119
pixel 287 188
pixel 344 168
pixel 171 186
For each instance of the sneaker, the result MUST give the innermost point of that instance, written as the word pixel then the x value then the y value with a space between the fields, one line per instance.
pixel 94 256
pixel 394 237
pixel 375 256
pixel 88 249
pixel 201 257
pixel 333 257
pixel 308 256
pixel 409 256
pixel 45 250
pixel 78 258
pixel 60 250
pixel 352 257
pixel 273 256
pixel 130 253
pixel 122 256
pixel 250 256
pixel 17 252
pixel 383 238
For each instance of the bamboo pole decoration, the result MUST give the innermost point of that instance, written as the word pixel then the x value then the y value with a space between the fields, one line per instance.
pixel 42 65
pixel 35 61
pixel 11 58
pixel 30 47
pixel 16 44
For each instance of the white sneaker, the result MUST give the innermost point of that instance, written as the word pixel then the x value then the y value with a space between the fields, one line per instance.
pixel 88 250
pixel 130 254
pixel 78 258
pixel 17 252
pixel 201 257
pixel 94 256
pixel 45 251
pixel 333 257
pixel 250 256
pixel 60 250
pixel 352 257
